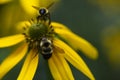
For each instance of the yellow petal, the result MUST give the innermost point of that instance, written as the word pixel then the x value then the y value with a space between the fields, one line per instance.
pixel 59 26
pixel 75 41
pixel 4 1
pixel 54 69
pixel 64 70
pixel 74 59
pixel 27 5
pixel 11 40
pixel 29 67
pixel 68 73
pixel 12 60
pixel 23 24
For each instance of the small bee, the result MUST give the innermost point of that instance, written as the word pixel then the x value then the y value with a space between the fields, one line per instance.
pixel 44 14
pixel 46 47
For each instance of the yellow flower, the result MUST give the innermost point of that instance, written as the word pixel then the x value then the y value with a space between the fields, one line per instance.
pixel 43 37
pixel 109 7
pixel 110 41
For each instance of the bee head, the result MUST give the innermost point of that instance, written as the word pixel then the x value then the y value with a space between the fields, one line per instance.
pixel 43 11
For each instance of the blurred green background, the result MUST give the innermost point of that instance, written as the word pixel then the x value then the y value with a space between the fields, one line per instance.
pixel 97 21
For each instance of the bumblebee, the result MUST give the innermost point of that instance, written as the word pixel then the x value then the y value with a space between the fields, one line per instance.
pixel 46 47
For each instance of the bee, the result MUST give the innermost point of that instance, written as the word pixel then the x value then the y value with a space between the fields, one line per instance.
pixel 44 14
pixel 46 47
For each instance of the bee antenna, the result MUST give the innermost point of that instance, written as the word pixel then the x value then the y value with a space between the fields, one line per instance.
pixel 47 6
pixel 50 5
pixel 36 7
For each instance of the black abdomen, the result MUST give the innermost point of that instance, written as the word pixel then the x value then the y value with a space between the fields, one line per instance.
pixel 46 48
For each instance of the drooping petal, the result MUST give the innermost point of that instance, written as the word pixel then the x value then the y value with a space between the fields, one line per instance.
pixel 75 41
pixel 29 67
pixel 12 60
pixel 62 67
pixel 59 26
pixel 54 69
pixel 11 40
pixel 65 66
pixel 74 58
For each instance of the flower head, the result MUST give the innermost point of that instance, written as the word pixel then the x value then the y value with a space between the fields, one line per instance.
pixel 43 37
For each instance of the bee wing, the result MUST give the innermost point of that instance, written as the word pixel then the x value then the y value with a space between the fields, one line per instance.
pixel 58 49
pixel 37 8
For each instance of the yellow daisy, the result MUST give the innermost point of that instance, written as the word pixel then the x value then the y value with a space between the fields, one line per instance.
pixel 43 37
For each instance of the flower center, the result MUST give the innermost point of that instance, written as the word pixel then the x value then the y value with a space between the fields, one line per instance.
pixel 36 32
